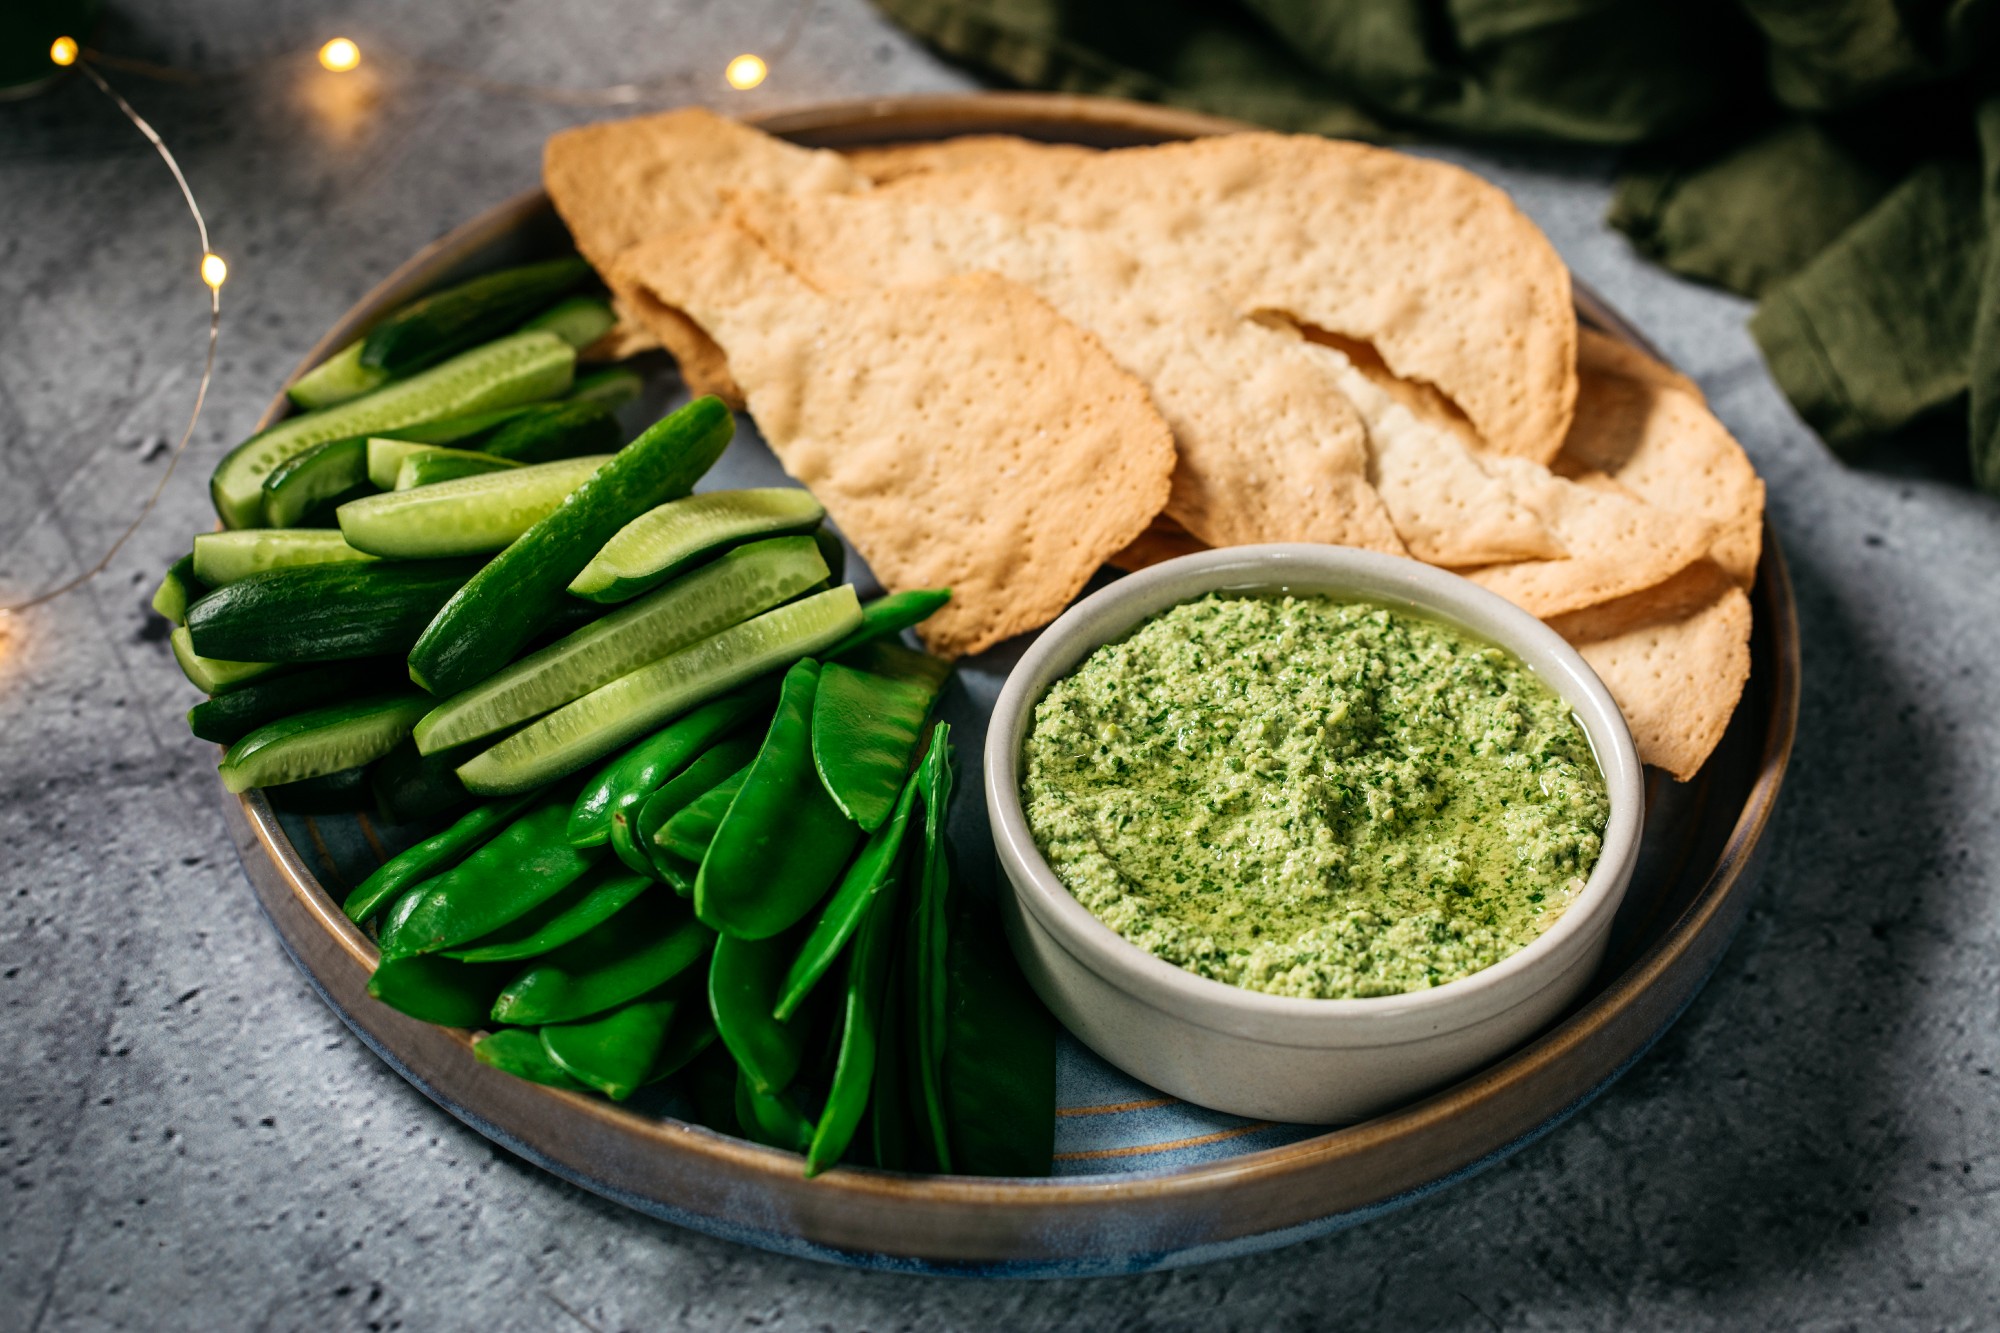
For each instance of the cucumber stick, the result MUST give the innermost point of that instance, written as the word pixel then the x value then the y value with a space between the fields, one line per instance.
pixel 324 613
pixel 179 588
pixel 578 321
pixel 214 675
pixel 336 380
pixel 666 539
pixel 305 481
pixel 228 557
pixel 431 328
pixel 469 516
pixel 511 371
pixel 437 464
pixel 321 741
pixel 747 581
pixel 549 431
pixel 610 388
pixel 228 718
pixel 508 601
pixel 386 457
pixel 641 701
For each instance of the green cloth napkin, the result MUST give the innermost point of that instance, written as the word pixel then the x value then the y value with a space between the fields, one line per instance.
pixel 1837 159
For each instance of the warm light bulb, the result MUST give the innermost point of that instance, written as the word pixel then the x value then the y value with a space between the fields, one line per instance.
pixel 745 72
pixel 63 50
pixel 213 270
pixel 340 55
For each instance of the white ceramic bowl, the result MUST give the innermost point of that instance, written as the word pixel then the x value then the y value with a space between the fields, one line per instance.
pixel 1276 1057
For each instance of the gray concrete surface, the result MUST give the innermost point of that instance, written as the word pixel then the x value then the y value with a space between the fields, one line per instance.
pixel 189 1140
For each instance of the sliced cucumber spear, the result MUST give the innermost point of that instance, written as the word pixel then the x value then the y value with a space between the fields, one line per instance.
pixel 469 516
pixel 550 431
pixel 508 601
pixel 305 481
pixel 511 371
pixel 438 464
pixel 609 389
pixel 228 557
pixel 748 580
pixel 180 587
pixel 634 704
pixel 213 675
pixel 431 328
pixel 659 543
pixel 578 321
pixel 324 613
pixel 336 380
pixel 321 741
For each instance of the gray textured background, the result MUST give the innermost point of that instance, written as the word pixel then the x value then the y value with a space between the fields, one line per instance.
pixel 192 1141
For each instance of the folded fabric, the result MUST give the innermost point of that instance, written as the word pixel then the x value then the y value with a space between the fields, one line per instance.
pixel 1838 159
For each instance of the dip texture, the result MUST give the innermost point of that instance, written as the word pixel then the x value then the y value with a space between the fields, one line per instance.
pixel 1312 797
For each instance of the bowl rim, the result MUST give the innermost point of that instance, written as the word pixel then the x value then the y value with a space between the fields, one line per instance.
pixel 1118 609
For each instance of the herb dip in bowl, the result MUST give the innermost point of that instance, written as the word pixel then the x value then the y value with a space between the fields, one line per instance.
pixel 1300 832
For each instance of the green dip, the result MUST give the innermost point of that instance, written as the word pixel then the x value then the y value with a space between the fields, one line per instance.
pixel 1312 797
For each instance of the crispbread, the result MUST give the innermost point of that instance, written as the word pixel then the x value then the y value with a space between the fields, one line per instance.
pixel 887 162
pixel 1647 427
pixel 1163 539
pixel 1675 658
pixel 1616 543
pixel 1606 355
pixel 620 181
pixel 1431 265
pixel 960 432
pixel 1269 447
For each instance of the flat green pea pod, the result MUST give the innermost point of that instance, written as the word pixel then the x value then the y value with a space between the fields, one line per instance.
pixel 998 1070
pixel 743 981
pixel 575 911
pixel 728 756
pixel 523 867
pixel 438 990
pixel 645 768
pixel 889 1108
pixel 613 1052
pixel 848 1095
pixel 638 950
pixel 784 841
pixel 688 833
pixel 519 1052
pixel 693 1033
pixel 434 854
pixel 927 949
pixel 891 615
pixel 866 724
pixel 772 1118
pixel 871 872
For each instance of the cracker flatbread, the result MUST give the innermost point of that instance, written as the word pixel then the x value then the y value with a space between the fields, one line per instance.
pixel 1647 426
pixel 1268 447
pixel 1431 265
pixel 1162 540
pixel 960 432
pixel 1675 658
pixel 618 182
pixel 887 162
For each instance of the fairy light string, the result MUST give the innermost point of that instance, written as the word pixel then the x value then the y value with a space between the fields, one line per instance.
pixel 338 55
pixel 213 273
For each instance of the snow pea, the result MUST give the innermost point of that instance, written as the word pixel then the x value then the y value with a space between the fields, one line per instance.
pixel 772 1118
pixel 927 936
pixel 865 879
pixel 724 758
pixel 692 1033
pixel 643 947
pixel 854 1075
pixel 784 841
pixel 999 1058
pixel 866 724
pixel 438 990
pixel 644 768
pixel 886 616
pixel 688 833
pixel 743 981
pixel 519 1052
pixel 888 1107
pixel 524 866
pixel 580 907
pixel 436 853
pixel 613 1052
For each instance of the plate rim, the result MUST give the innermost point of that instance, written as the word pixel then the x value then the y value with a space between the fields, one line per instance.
pixel 1191 1212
